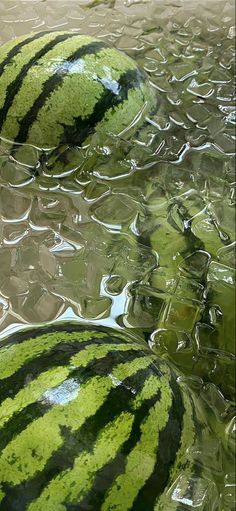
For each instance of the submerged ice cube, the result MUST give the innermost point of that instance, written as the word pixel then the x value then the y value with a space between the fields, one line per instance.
pixel 194 493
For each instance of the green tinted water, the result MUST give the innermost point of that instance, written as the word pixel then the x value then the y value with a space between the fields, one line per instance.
pixel 142 235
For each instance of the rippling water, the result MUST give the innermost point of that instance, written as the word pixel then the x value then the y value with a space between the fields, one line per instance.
pixel 142 236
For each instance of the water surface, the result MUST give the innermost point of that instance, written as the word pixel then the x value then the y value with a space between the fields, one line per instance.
pixel 142 236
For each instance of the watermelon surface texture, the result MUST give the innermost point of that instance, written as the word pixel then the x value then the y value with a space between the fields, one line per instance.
pixel 90 420
pixel 60 87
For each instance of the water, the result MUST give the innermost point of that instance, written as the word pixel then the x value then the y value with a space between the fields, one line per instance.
pixel 142 235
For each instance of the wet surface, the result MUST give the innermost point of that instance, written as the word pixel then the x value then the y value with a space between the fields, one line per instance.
pixel 142 235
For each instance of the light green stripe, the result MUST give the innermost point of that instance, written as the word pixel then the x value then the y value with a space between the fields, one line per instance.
pixel 73 484
pixel 123 371
pixel 35 79
pixel 141 461
pixel 7 47
pixel 150 388
pixel 12 70
pixel 188 437
pixel 28 452
pixel 77 96
pixel 16 356
pixel 95 352
pixel 49 379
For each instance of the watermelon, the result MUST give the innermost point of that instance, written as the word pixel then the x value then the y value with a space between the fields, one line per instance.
pixel 58 88
pixel 91 420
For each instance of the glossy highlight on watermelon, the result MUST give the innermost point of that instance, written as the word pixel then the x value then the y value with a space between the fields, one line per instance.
pixel 89 420
pixel 60 87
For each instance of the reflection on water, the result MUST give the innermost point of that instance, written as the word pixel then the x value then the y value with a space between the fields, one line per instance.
pixel 142 235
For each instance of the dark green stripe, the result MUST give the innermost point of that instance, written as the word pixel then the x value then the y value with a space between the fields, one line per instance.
pixel 51 85
pixel 58 355
pixel 168 446
pixel 13 52
pixel 119 399
pixel 107 475
pixel 75 135
pixel 13 88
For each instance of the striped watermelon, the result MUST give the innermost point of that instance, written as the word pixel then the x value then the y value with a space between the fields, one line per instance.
pixel 90 420
pixel 59 87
